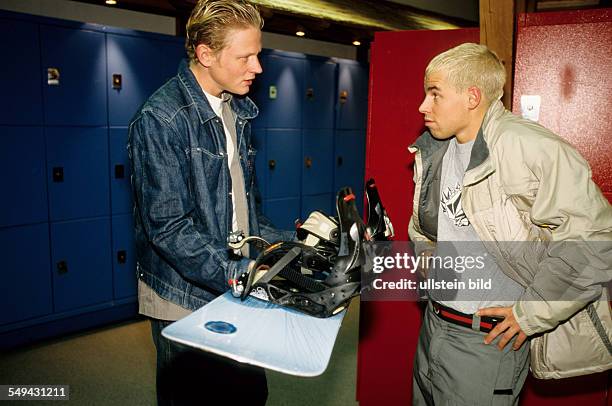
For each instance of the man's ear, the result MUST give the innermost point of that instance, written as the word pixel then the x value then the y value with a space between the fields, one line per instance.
pixel 205 55
pixel 474 97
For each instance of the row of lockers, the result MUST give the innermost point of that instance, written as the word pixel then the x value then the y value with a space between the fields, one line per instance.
pixel 64 76
pixel 54 268
pixel 65 173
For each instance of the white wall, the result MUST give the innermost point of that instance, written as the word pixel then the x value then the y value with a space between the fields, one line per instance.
pixel 115 17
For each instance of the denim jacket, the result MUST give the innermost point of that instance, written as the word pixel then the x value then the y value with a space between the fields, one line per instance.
pixel 182 185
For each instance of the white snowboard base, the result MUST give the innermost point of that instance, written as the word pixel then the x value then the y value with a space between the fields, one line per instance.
pixel 260 333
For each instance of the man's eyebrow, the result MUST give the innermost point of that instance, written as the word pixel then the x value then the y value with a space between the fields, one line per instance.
pixel 433 87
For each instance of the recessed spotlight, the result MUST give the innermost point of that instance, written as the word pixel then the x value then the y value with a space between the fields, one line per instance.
pixel 356 43
pixel 111 2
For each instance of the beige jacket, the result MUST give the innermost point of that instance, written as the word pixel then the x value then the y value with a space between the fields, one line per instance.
pixel 530 197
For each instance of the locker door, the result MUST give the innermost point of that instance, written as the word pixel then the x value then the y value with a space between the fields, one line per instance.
pixel 81 263
pixel 350 163
pixel 322 203
pixel 280 100
pixel 26 288
pixel 283 212
pixel 352 96
pixel 76 61
pixel 22 175
pixel 284 163
pixel 319 93
pixel 120 172
pixel 143 65
pixel 258 140
pixel 124 261
pixel 77 162
pixel 317 161
pixel 21 103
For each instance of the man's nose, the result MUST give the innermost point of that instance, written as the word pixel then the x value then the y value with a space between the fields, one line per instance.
pixel 256 67
pixel 424 107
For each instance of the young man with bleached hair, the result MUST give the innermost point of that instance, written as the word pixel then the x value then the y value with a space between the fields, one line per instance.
pixel 524 198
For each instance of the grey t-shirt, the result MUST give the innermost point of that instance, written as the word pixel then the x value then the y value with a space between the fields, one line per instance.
pixel 457 238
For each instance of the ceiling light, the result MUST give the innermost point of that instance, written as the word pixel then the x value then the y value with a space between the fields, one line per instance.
pixel 300 31
pixel 356 43
pixel 111 2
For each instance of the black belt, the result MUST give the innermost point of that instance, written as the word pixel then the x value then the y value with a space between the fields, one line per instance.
pixel 487 323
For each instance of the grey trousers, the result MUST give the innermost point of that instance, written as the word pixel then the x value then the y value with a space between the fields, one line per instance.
pixel 453 366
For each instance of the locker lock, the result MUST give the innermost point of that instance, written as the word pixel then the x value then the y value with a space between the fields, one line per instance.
pixel 58 174
pixel 310 93
pixel 122 257
pixel 53 76
pixel 119 171
pixel 271 164
pixel 343 96
pixel 340 160
pixel 62 267
pixel 116 81
pixel 308 162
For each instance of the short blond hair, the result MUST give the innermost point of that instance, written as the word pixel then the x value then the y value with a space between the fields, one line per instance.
pixel 471 64
pixel 211 20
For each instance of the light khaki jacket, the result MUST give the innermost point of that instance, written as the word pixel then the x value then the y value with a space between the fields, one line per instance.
pixel 530 198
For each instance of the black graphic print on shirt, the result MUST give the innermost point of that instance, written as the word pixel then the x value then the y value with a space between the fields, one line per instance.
pixel 451 206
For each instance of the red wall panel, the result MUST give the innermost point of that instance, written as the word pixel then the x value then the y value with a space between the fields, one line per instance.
pixel 566 59
pixel 389 330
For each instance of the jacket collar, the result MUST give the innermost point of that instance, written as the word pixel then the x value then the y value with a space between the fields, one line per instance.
pixel 242 106
pixel 480 165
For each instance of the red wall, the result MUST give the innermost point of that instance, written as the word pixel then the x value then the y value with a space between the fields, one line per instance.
pixel 566 58
pixel 389 330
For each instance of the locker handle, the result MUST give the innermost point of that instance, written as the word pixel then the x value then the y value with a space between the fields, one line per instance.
pixel 343 96
pixel 271 164
pixel 340 160
pixel 62 267
pixel 308 162
pixel 122 256
pixel 119 171
pixel 58 174
pixel 117 81
pixel 310 93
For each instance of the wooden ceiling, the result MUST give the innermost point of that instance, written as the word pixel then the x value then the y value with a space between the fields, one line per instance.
pixel 339 21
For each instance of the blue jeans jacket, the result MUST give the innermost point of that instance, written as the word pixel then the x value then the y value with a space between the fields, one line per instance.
pixel 182 185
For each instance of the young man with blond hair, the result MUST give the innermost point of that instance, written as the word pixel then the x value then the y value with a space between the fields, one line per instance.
pixel 497 185
pixel 194 184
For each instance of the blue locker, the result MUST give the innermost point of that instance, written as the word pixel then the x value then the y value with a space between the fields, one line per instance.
pixel 283 212
pixel 124 253
pixel 322 203
pixel 317 162
pixel 352 104
pixel 142 65
pixel 258 141
pixel 319 93
pixel 350 163
pixel 22 175
pixel 21 102
pixel 283 152
pixel 120 172
pixel 25 291
pixel 77 172
pixel 76 61
pixel 81 263
pixel 280 91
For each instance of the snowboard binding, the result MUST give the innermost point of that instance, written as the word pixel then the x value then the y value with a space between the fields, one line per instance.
pixel 321 272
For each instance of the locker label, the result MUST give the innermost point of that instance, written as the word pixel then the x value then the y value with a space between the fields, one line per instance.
pixel 53 76
pixel 273 92
pixel 530 107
